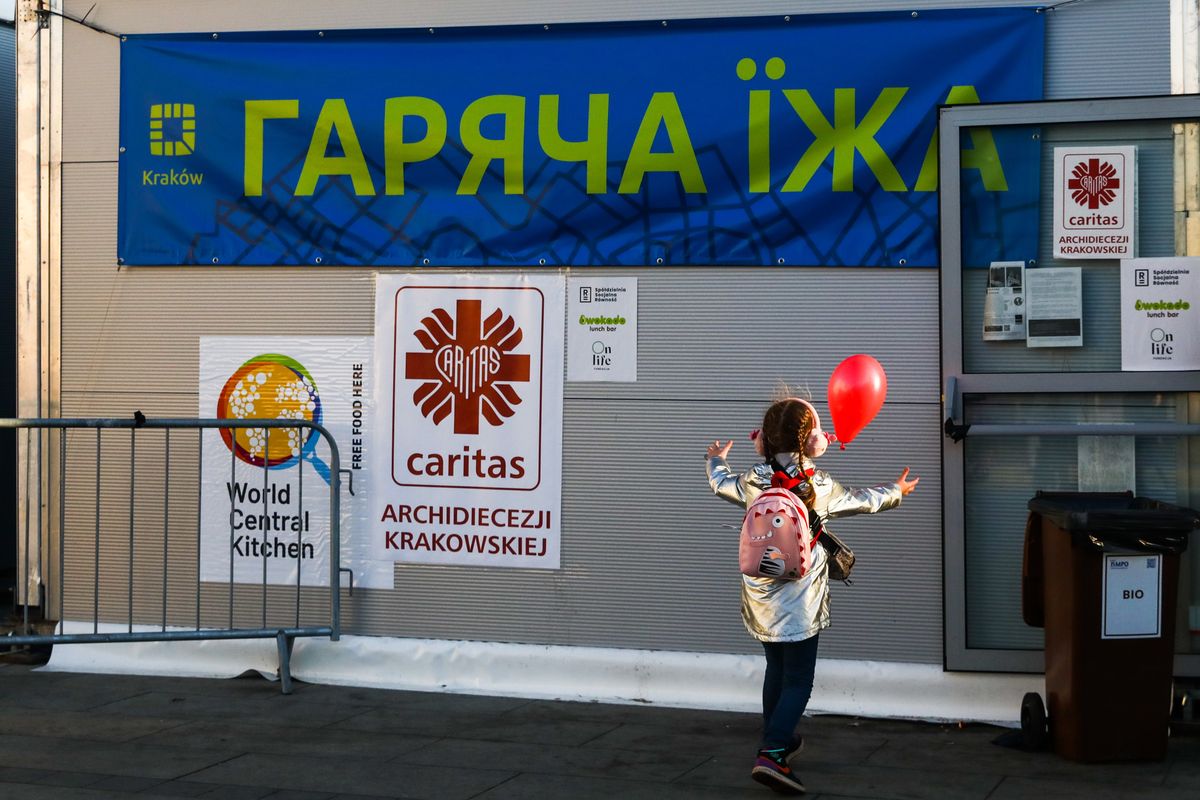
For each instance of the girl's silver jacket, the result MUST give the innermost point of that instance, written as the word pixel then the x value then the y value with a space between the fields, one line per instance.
pixel 790 611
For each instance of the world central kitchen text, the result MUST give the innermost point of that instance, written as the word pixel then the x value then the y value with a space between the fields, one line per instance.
pixel 268 510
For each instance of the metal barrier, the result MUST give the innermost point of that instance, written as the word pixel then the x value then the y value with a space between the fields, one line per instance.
pixel 49 554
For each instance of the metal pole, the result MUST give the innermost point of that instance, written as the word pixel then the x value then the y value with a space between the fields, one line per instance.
pixel 43 443
pixel 263 540
pixel 132 483
pixel 62 526
pixel 24 593
pixel 199 511
pixel 166 521
pixel 96 559
pixel 233 482
pixel 301 440
pixel 1084 429
pixel 335 536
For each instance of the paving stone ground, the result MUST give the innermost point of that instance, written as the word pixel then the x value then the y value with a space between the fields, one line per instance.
pixel 77 737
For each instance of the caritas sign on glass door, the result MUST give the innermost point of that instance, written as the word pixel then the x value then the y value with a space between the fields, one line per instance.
pixel 1095 202
pixel 470 395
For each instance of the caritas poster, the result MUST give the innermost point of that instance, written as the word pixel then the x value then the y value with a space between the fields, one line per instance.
pixel 467 468
pixel 1095 202
pixel 265 498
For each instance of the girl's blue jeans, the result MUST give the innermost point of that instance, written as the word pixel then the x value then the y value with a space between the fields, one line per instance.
pixel 786 688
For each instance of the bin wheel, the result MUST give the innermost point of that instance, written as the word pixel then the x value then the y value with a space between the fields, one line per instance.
pixel 1033 721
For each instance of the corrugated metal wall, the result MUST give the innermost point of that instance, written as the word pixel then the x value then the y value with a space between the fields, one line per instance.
pixel 646 562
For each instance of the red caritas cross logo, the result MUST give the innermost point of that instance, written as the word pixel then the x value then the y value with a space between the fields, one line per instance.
pixel 1093 183
pixel 468 368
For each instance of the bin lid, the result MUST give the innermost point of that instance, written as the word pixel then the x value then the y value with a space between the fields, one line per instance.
pixel 1119 519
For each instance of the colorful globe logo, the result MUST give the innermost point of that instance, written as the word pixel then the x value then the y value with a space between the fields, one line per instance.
pixel 272 386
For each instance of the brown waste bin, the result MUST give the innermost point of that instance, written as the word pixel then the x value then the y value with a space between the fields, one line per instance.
pixel 1093 565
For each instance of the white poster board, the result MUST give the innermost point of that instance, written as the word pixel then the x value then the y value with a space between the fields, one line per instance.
pixel 265 500
pixel 1132 596
pixel 1054 299
pixel 1004 302
pixel 1160 314
pixel 468 465
pixel 602 334
pixel 1095 202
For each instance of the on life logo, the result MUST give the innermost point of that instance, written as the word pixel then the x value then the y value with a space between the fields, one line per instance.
pixel 468 368
pixel 1093 183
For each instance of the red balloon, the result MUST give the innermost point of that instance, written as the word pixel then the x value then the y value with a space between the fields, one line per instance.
pixel 857 389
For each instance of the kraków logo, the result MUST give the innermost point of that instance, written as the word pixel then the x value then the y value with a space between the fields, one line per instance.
pixel 172 129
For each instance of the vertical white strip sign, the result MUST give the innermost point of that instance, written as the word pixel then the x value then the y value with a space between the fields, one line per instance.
pixel 469 394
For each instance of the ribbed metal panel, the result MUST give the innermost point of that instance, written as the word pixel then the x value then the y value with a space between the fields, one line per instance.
pixel 1108 48
pixel 91 94
pixel 694 327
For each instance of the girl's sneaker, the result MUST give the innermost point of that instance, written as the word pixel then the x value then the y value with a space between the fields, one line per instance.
pixel 771 769
pixel 794 749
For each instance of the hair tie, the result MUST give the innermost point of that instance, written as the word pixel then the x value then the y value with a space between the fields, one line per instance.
pixel 754 434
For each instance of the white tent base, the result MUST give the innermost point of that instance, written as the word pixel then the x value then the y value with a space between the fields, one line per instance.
pixel 590 674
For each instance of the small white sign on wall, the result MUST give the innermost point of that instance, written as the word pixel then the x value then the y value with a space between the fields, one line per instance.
pixel 602 337
pixel 1160 314
pixel 1095 202
pixel 1132 596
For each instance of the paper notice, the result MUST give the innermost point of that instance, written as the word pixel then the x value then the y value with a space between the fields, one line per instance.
pixel 1054 299
pixel 1004 303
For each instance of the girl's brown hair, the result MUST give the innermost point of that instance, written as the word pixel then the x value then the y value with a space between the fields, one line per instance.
pixel 785 427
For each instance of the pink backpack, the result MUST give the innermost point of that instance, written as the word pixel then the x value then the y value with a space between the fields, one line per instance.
pixel 776 541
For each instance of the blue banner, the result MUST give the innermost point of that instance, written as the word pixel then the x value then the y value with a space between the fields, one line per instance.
pixel 746 141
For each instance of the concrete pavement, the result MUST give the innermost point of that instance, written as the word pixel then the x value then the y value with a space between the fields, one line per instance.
pixel 82 736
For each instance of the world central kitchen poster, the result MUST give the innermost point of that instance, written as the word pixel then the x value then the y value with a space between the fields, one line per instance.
pixel 265 492
pixel 467 468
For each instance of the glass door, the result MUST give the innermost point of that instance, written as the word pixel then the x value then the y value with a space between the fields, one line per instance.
pixel 1063 369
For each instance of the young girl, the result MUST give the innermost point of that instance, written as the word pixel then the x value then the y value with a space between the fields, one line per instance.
pixel 787 615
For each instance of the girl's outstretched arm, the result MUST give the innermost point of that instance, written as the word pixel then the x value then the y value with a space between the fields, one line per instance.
pixel 836 500
pixel 724 483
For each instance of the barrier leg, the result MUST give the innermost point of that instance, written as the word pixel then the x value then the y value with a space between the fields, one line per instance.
pixel 285 643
